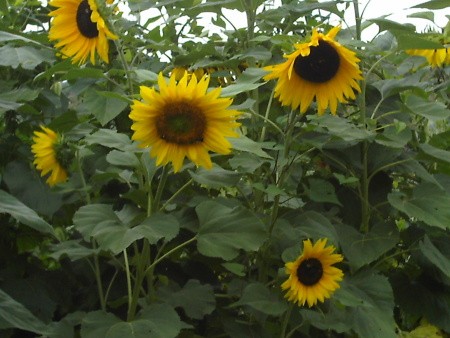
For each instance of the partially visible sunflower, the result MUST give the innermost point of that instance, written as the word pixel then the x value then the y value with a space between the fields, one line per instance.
pixel 80 30
pixel 48 155
pixel 312 277
pixel 321 69
pixel 435 57
pixel 183 120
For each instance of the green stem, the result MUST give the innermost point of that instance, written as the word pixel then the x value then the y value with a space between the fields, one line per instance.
pixel 160 189
pixel 168 253
pixel 266 117
pixel 124 65
pixel 285 323
pixel 141 270
pixel 357 19
pixel 128 276
pixel 177 193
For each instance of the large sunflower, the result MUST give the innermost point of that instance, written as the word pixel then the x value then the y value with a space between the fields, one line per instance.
pixel 80 30
pixel 321 69
pixel 183 120
pixel 312 277
pixel 47 155
pixel 435 57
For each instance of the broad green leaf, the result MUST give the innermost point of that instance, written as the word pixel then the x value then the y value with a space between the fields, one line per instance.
pixel 392 137
pixel 440 154
pixel 427 15
pixel 433 4
pixel 122 158
pixel 259 297
pixel 27 57
pixel 79 73
pixel 375 319
pixel 197 300
pixel 423 331
pixel 312 224
pixel 136 329
pixel 158 226
pixel 435 256
pixel 110 138
pixel 390 87
pixel 428 204
pixel 243 143
pixel 14 99
pixel 103 105
pixel 392 26
pixel 224 231
pixel 89 216
pixel 216 177
pixel 96 324
pixel 236 268
pixel 15 315
pixel 414 41
pixel 145 75
pixel 432 110
pixel 6 36
pixel 164 321
pixel 321 191
pixel 23 214
pixel 249 80
pixel 72 249
pixel 380 239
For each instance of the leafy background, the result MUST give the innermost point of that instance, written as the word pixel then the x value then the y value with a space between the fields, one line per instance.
pixel 100 256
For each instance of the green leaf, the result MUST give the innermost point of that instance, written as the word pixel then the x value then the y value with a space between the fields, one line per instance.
pixel 111 139
pixel 224 231
pixel 236 268
pixel 428 204
pixel 122 159
pixel 135 329
pixel 373 317
pixel 433 4
pixel 197 300
pixel 72 249
pixel 314 225
pixel 96 324
pixel 248 80
pixel 414 41
pixel 158 226
pixel 246 144
pixel 390 87
pixel 392 26
pixel 321 191
pixel 216 177
pixel 15 315
pixel 435 256
pixel 102 223
pixel 105 106
pixel 432 110
pixel 145 75
pixel 163 320
pixel 427 15
pixel 259 297
pixel 440 154
pixel 380 239
pixel 10 205
pixel 27 57
pixel 6 36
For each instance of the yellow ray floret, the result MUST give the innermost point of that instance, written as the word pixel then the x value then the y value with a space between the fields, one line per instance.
pixel 183 119
pixel 79 30
pixel 312 277
pixel 320 70
pixel 45 156
pixel 435 57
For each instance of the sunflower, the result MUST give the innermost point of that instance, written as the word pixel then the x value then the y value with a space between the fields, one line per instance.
pixel 435 57
pixel 312 277
pixel 49 155
pixel 80 30
pixel 322 69
pixel 183 120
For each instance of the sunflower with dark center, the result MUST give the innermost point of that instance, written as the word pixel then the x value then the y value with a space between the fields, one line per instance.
pixel 51 155
pixel 183 119
pixel 321 69
pixel 435 57
pixel 80 30
pixel 312 276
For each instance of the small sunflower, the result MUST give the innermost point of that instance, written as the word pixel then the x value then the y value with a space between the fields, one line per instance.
pixel 312 277
pixel 321 69
pixel 435 57
pixel 80 30
pixel 49 155
pixel 183 120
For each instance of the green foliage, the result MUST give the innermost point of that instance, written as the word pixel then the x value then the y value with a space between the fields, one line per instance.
pixel 128 248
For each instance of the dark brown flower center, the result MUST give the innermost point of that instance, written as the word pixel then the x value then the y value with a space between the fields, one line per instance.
pixel 310 271
pixel 86 27
pixel 321 65
pixel 181 123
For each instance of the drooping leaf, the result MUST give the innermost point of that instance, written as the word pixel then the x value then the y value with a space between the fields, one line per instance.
pixel 224 231
pixel 27 57
pixel 435 256
pixel 15 315
pixel 216 177
pixel 158 226
pixel 105 106
pixel 433 4
pixel 23 214
pixel 97 324
pixel 432 110
pixel 320 190
pixel 110 138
